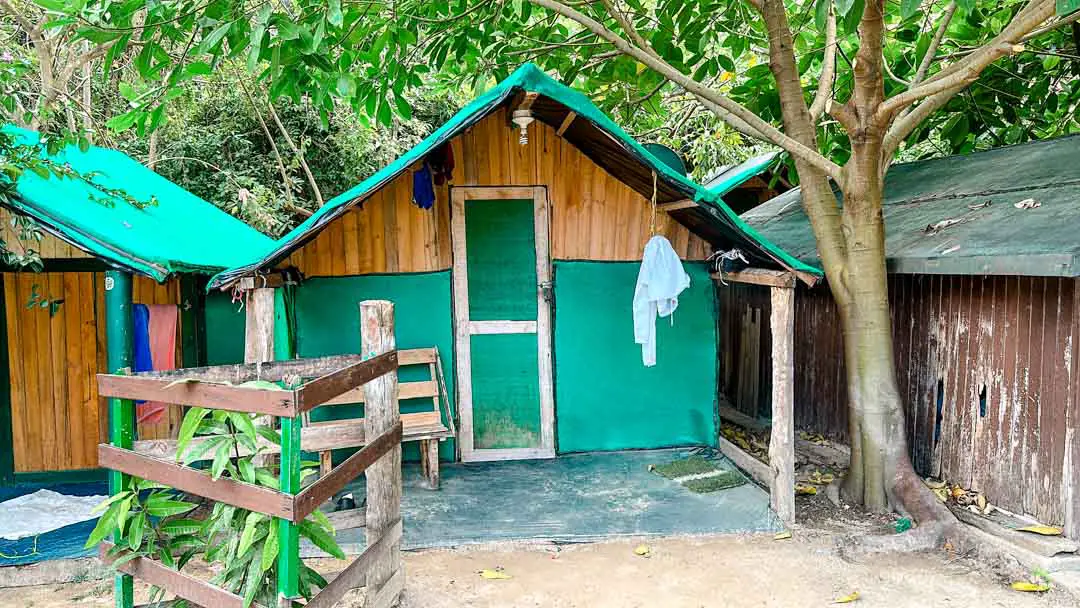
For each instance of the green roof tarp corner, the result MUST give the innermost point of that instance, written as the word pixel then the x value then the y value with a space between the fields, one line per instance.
pixel 532 79
pixel 182 233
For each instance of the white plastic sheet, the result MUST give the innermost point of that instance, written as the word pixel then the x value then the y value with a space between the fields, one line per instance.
pixel 43 511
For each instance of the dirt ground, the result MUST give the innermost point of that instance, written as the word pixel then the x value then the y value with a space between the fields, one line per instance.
pixel 729 571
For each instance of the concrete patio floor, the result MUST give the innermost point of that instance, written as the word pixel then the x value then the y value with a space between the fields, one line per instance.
pixel 570 499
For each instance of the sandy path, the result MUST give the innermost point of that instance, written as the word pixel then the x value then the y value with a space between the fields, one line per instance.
pixel 729 571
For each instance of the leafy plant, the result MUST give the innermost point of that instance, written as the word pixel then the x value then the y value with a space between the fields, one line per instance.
pixel 245 543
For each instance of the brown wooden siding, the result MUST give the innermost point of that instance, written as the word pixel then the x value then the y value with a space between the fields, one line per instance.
pixel 994 354
pixel 594 216
pixel 57 417
pixel 50 247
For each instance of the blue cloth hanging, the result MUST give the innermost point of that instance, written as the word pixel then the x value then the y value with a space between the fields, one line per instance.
pixel 423 190
pixel 140 339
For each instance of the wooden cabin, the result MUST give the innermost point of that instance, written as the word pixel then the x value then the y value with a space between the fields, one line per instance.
pixel 53 329
pixel 984 267
pixel 522 274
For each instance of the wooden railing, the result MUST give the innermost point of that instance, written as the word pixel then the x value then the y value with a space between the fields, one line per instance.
pixel 379 566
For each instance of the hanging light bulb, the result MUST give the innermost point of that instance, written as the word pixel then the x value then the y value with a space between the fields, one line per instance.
pixel 522 118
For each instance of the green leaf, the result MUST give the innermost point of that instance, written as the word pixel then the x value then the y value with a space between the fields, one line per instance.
pixel 188 427
pixel 247 537
pixel 843 6
pixel 243 423
pixel 908 8
pixel 253 582
pixel 123 121
pixel 270 549
pixel 267 479
pixel 247 469
pixel 221 458
pixel 101 506
pixel 320 538
pixel 135 531
pixel 821 14
pixel 164 507
pixel 180 527
pixel 333 13
pixel 202 448
pixel 105 526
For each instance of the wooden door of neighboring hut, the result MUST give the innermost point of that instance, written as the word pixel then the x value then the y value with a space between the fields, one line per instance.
pixel 502 317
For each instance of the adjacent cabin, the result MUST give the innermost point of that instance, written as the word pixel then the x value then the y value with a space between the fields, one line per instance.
pixel 54 331
pixel 520 269
pixel 984 261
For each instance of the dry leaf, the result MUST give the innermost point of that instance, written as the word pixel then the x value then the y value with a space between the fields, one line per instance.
pixel 494 574
pixel 782 535
pixel 934 484
pixel 980 500
pixel 802 489
pixel 1043 530
pixel 642 551
pixel 1030 587
pixel 847 599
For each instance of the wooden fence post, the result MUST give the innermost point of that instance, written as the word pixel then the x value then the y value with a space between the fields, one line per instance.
pixel 782 440
pixel 118 345
pixel 385 579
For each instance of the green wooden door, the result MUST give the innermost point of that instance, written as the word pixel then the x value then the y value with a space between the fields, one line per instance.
pixel 502 317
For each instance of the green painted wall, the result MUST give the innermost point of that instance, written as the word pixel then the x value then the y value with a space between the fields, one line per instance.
pixel 328 323
pixel 605 399
pixel 224 329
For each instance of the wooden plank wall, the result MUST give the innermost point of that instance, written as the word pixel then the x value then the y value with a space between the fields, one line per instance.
pixel 56 421
pixel 50 247
pixel 594 216
pixel 995 353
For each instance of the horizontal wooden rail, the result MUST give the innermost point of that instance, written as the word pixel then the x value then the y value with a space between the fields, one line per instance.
pixel 202 394
pixel 237 493
pixel 758 276
pixel 184 585
pixel 354 576
pixel 419 389
pixel 325 388
pixel 325 488
pixel 274 371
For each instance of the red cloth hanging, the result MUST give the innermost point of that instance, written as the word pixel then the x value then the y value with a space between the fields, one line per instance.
pixel 164 319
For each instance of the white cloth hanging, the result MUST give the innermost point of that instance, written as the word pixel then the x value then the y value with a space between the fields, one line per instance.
pixel 660 281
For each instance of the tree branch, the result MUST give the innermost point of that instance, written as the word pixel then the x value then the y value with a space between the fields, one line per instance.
pixel 823 97
pixel 935 43
pixel 629 28
pixel 966 70
pixel 747 122
pixel 299 155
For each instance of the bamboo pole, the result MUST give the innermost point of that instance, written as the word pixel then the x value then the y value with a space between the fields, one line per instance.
pixel 118 322
pixel 385 579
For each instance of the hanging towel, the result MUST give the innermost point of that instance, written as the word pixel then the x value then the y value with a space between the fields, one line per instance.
pixel 140 340
pixel 423 193
pixel 660 281
pixel 163 322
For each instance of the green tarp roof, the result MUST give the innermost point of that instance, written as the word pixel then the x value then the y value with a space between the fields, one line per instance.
pixel 594 133
pixel 182 233
pixel 977 196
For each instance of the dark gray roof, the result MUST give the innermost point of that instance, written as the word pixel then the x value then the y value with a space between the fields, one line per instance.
pixel 977 194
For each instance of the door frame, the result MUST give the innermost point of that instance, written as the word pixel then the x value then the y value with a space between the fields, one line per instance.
pixel 464 329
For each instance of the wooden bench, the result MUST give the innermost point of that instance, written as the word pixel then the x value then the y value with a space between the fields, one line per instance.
pixel 426 427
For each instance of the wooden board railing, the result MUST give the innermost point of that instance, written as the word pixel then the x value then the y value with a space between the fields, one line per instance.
pixel 212 395
pixel 183 585
pixel 193 481
pixel 353 576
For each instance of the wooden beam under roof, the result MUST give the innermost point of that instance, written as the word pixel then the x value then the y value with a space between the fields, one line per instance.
pixel 570 116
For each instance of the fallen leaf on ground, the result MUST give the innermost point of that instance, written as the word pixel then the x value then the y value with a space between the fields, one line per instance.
pixel 1043 530
pixel 782 535
pixel 847 599
pixel 802 489
pixel 642 550
pixel 1030 587
pixel 494 574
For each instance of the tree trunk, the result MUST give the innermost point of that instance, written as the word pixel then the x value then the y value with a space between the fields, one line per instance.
pixel 880 476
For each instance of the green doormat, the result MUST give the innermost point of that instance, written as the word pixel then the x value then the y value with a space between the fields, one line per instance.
pixel 699 474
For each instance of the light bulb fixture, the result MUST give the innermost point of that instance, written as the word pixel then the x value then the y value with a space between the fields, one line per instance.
pixel 523 118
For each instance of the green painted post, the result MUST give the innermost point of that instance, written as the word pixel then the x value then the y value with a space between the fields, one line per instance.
pixel 7 454
pixel 288 533
pixel 121 411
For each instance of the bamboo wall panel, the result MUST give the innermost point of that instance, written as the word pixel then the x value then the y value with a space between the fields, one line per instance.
pixel 50 247
pixel 985 369
pixel 55 409
pixel 594 216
